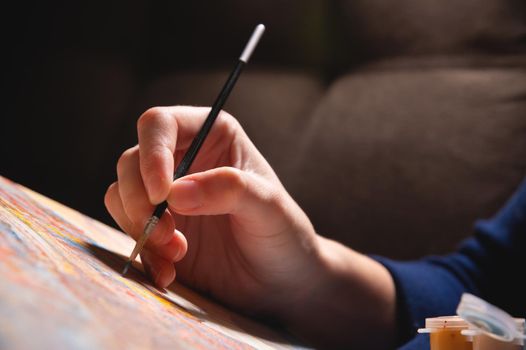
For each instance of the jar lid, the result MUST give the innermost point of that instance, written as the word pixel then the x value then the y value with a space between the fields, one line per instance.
pixel 450 322
pixel 490 320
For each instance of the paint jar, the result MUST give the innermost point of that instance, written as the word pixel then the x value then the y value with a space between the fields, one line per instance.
pixel 484 341
pixel 445 333
pixel 490 328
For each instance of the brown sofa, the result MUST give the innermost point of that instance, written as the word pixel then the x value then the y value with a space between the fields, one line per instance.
pixel 394 124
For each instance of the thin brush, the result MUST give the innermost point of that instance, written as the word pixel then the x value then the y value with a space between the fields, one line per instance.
pixel 189 157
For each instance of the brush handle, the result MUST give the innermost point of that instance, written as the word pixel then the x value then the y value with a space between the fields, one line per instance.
pixel 186 162
pixel 191 153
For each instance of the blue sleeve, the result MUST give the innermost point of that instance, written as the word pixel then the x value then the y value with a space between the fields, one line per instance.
pixel 490 264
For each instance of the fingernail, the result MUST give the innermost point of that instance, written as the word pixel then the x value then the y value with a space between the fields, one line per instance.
pixel 154 188
pixel 179 254
pixel 186 194
pixel 147 266
pixel 157 278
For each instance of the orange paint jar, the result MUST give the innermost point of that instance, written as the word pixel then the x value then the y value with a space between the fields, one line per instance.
pixel 484 341
pixel 445 333
pixel 490 328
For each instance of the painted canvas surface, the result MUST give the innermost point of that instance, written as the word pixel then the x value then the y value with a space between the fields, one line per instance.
pixel 60 288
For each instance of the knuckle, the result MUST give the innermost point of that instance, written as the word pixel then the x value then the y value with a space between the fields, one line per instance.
pixel 154 159
pixel 236 181
pixel 266 192
pixel 228 122
pixel 151 116
pixel 275 197
pixel 110 193
pixel 125 157
pixel 233 177
pixel 225 115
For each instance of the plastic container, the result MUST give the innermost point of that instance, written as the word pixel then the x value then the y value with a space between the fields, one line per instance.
pixel 482 341
pixel 445 333
pixel 490 328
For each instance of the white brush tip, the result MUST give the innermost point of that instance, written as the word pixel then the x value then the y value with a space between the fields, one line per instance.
pixel 252 43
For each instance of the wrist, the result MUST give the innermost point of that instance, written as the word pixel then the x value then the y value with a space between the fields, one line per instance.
pixel 349 299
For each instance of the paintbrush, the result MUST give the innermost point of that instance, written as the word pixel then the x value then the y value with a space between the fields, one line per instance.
pixel 190 154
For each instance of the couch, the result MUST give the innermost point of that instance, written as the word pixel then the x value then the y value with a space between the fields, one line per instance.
pixel 394 124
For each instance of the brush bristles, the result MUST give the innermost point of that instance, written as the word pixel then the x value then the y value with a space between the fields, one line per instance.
pixel 126 267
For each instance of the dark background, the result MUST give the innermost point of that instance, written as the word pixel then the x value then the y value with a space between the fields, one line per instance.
pixel 77 72
pixel 394 123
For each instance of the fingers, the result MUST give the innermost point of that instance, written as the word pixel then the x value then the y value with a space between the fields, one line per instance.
pixel 134 201
pixel 157 133
pixel 113 203
pixel 160 270
pixel 226 190
pixel 162 131
pixel 145 177
pixel 165 241
pixel 131 188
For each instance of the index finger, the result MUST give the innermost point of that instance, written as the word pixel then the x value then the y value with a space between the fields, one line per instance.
pixel 162 130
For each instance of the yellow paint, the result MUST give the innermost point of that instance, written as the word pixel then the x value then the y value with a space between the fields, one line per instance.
pixel 65 288
pixel 63 234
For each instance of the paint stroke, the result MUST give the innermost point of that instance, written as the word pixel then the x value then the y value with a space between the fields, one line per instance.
pixel 60 288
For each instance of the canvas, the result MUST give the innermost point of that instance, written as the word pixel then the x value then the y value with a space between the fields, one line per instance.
pixel 60 288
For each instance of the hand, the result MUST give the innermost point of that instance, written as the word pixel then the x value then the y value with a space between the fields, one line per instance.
pixel 234 232
pixel 231 228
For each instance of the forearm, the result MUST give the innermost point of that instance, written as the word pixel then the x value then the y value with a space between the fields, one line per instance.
pixel 349 304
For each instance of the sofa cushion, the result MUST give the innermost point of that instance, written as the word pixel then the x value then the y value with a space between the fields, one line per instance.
pixel 271 105
pixel 378 27
pixel 401 162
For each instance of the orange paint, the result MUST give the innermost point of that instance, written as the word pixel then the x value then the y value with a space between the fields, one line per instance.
pixel 61 285
pixel 447 339
pixel 445 333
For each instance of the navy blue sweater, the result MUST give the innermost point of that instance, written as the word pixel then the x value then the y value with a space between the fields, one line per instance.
pixel 490 264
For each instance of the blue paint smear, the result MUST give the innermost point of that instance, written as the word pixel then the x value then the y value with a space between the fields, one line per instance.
pixel 4 227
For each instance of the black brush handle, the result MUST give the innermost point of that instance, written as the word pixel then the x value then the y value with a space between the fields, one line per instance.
pixel 191 153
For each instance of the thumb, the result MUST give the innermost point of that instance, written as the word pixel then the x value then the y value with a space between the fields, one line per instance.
pixel 226 190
